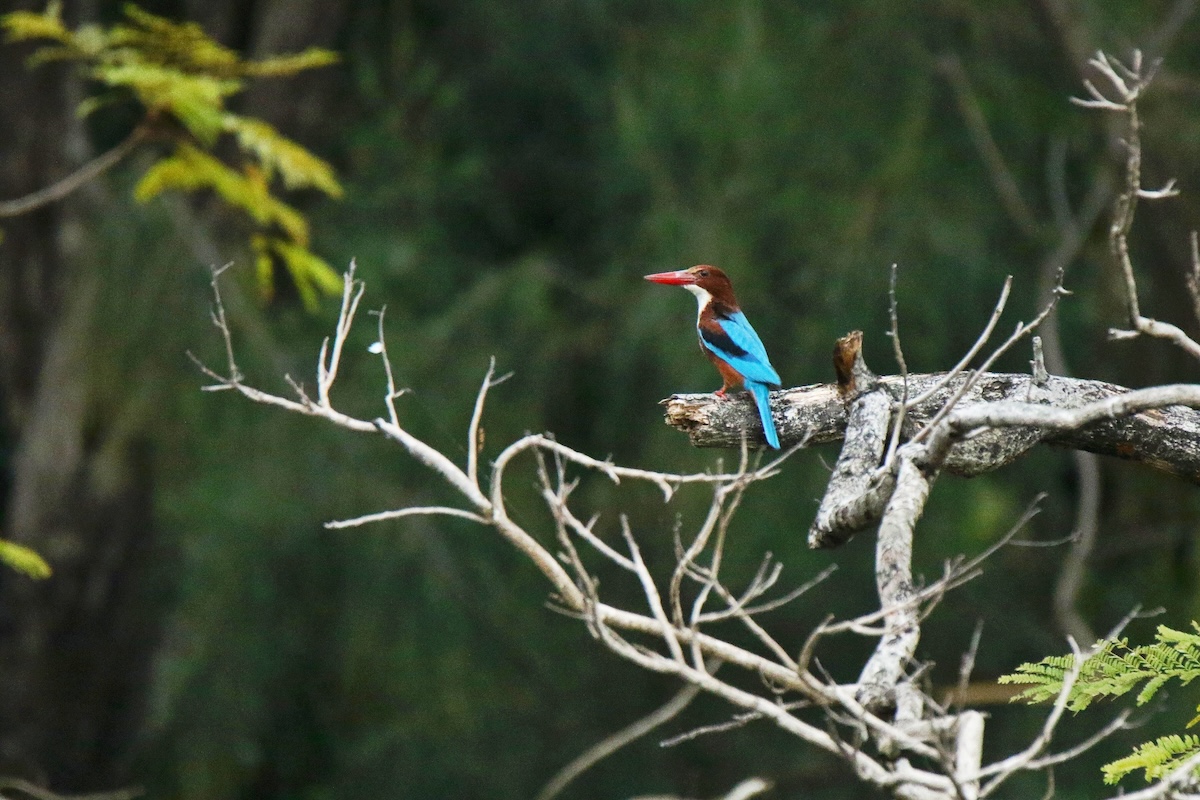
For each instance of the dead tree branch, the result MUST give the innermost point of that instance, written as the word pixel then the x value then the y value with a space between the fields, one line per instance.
pixel 1122 87
pixel 1164 438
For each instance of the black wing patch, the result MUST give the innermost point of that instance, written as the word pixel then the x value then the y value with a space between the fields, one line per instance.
pixel 721 341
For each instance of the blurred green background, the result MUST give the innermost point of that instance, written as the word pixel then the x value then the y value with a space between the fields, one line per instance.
pixel 512 170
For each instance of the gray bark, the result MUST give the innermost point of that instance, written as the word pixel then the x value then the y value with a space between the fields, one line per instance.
pixel 1166 439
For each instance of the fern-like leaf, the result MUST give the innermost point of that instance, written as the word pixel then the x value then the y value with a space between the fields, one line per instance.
pixel 1115 669
pixel 1156 759
pixel 177 72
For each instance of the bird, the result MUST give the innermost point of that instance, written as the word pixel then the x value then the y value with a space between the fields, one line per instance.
pixel 727 338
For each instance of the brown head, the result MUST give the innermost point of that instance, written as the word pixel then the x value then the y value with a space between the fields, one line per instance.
pixel 702 280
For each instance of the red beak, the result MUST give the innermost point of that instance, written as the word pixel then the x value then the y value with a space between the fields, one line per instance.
pixel 678 278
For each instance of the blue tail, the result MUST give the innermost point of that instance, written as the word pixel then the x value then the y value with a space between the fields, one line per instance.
pixel 761 393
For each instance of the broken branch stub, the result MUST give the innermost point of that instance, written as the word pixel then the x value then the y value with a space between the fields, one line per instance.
pixel 858 489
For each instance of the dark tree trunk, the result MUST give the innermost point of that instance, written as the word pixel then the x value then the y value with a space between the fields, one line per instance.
pixel 74 649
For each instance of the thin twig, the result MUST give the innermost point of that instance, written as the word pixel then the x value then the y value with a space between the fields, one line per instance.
pixel 380 347
pixel 328 362
pixel 474 438
pixel 1007 767
pixel 980 341
pixel 1127 83
pixel 898 352
pixel 1117 723
pixel 1022 330
pixel 693 550
pixel 653 598
pixel 715 616
pixel 967 666
pixel 559 507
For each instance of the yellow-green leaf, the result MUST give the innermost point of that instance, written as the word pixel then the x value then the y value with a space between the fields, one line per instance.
pixel 263 271
pixel 20 26
pixel 24 559
pixel 197 101
pixel 190 169
pixel 309 272
pixel 275 152
pixel 290 64
pixel 174 172
pixel 184 45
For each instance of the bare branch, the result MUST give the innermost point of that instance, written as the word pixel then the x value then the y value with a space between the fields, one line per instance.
pixel 739 608
pixel 80 177
pixel 1083 539
pixel 561 510
pixel 693 551
pixel 1165 439
pixel 863 478
pixel 1022 330
pixel 1008 413
pixel 1127 83
pixel 711 575
pixel 1003 181
pixel 1193 277
pixel 893 575
pixel 733 609
pixel 653 599
pixel 1117 723
pixel 411 511
pixel 631 733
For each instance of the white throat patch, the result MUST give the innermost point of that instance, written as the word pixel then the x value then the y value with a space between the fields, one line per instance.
pixel 703 298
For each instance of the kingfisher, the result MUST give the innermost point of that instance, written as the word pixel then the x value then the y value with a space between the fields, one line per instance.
pixel 727 338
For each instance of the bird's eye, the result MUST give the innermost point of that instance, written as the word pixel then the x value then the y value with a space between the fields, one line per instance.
pixel 703 273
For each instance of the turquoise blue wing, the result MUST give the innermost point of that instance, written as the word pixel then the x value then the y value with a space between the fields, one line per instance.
pixel 733 340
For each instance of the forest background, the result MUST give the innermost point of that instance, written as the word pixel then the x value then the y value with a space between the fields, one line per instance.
pixel 511 171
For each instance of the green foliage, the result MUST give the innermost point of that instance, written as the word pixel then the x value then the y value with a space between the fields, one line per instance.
pixel 1113 670
pixel 1156 759
pixel 179 75
pixel 24 559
